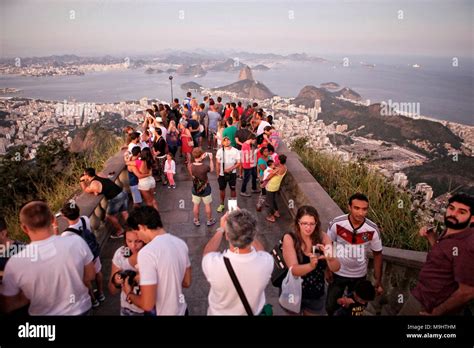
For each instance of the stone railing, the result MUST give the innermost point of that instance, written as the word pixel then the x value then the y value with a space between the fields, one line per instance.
pixel 400 267
pixel 95 206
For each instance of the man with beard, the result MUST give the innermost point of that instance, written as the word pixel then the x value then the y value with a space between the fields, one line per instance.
pixel 446 281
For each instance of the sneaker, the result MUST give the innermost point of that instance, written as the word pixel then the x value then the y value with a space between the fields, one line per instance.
pixel 95 303
pixel 197 222
pixel 211 222
pixel 256 191
pixel 276 214
pixel 220 208
pixel 101 298
pixel 240 178
pixel 245 194
pixel 173 186
pixel 169 186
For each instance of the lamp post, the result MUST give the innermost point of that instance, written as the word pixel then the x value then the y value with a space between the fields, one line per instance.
pixel 171 82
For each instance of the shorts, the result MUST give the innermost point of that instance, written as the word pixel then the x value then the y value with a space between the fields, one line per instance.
pixel 136 195
pixel 232 180
pixel 206 199
pixel 316 306
pixel 97 264
pixel 117 204
pixel 147 183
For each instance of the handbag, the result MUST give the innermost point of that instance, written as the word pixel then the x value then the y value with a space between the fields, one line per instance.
pixel 291 292
pixel 267 309
pixel 280 268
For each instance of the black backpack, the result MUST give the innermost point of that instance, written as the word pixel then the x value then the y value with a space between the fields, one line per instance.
pixel 88 236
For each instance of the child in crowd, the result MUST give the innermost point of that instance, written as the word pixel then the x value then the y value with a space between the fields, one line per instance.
pixel 170 170
pixel 266 173
pixel 355 303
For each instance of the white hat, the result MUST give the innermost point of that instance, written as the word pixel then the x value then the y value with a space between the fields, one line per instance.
pixel 159 119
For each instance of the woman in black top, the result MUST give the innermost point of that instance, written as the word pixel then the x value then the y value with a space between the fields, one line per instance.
pixel 309 252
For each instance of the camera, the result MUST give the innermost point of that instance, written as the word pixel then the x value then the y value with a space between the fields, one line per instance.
pixel 123 275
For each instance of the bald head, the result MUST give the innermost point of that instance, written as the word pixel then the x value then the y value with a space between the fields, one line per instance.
pixel 36 215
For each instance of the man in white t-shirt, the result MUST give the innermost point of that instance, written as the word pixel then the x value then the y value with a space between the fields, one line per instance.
pixel 251 264
pixel 163 264
pixel 51 272
pixel 352 235
pixel 227 162
pixel 71 212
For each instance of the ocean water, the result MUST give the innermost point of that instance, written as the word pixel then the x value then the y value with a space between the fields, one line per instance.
pixel 443 91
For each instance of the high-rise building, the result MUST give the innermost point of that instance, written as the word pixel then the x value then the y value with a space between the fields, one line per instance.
pixel 400 179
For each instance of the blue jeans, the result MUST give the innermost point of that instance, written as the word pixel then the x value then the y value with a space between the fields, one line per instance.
pixel 251 172
pixel 118 204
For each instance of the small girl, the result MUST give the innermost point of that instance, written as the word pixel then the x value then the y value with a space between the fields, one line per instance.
pixel 170 170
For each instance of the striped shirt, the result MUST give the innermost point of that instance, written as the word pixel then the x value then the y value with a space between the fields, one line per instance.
pixel 351 245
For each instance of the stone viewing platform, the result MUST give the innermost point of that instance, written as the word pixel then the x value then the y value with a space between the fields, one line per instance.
pixel 401 267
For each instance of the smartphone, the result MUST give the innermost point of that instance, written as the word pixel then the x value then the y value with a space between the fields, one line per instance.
pixel 232 204
pixel 316 250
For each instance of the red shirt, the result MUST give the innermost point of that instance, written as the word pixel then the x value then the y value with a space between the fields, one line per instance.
pixel 248 158
pixel 227 113
pixel 240 110
pixel 449 262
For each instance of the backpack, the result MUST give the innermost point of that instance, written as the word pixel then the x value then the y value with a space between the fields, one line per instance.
pixel 199 185
pixel 88 237
pixel 280 269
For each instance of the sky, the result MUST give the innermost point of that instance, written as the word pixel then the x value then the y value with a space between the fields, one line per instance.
pixel 134 27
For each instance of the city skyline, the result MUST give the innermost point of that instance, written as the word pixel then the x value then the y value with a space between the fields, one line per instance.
pixel 427 28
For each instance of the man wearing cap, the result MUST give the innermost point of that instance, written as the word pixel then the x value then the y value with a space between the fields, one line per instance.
pixel 227 162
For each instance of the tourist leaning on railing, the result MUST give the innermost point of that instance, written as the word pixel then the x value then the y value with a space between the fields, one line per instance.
pixel 446 280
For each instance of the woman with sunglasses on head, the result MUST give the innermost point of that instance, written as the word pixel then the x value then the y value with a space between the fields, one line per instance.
pixel 308 251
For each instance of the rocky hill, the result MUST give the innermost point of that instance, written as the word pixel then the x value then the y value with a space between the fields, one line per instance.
pixel 308 96
pixel 249 89
pixel 245 74
pixel 191 86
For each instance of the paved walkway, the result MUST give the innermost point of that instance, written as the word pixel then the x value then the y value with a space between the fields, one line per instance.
pixel 175 207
